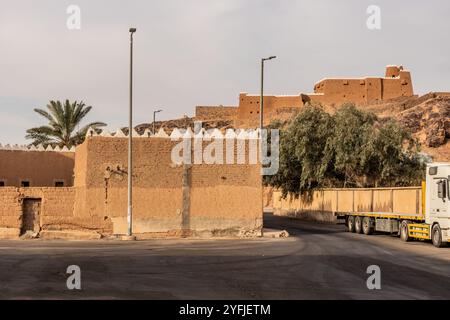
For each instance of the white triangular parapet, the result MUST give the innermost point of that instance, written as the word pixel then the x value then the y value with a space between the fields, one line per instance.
pixel 176 134
pixel 188 134
pixel 119 134
pixel 147 133
pixel 16 147
pixel 57 149
pixel 230 134
pixel 7 147
pixel 49 148
pixel 65 149
pixel 242 134
pixel 40 147
pixel 105 133
pixel 91 132
pixel 23 147
pixel 217 134
pixel 253 134
pixel 207 135
pixel 72 149
pixel 32 148
pixel 161 134
pixel 135 133
pixel 199 134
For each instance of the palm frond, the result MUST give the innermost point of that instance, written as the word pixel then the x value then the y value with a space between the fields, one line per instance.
pixel 63 119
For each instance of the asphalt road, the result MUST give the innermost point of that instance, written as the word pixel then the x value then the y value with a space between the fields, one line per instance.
pixel 317 262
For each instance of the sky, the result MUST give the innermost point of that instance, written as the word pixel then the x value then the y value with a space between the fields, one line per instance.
pixel 203 52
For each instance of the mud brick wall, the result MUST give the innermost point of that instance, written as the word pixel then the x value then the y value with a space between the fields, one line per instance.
pixel 331 92
pixel 55 209
pixel 322 205
pixel 40 168
pixel 215 113
pixel 167 198
pixel 10 208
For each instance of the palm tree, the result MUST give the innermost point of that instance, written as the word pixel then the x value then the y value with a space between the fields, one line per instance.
pixel 64 119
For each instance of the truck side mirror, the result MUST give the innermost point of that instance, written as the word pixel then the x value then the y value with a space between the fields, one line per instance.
pixel 442 189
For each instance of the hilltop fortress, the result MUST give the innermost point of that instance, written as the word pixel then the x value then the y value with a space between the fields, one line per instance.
pixel 331 92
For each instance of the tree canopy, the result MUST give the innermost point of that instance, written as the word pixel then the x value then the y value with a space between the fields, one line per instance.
pixel 351 148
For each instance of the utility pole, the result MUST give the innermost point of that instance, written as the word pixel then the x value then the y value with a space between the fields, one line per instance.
pixel 130 145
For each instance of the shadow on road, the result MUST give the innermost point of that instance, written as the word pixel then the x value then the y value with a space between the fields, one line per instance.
pixel 295 226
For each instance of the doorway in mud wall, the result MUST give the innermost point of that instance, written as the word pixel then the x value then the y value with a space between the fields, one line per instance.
pixel 31 209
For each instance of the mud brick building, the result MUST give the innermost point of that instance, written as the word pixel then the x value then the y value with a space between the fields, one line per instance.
pixel 329 92
pixel 83 194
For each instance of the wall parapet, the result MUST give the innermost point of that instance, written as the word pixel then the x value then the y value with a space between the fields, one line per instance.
pixel 38 147
pixel 181 133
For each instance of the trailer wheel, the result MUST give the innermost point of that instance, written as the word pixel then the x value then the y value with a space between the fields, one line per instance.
pixel 367 226
pixel 358 224
pixel 404 235
pixel 436 236
pixel 351 224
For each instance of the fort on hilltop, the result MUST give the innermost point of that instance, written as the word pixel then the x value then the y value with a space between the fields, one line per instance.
pixel 331 92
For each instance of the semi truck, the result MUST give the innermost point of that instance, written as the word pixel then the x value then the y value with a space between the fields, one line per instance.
pixel 431 220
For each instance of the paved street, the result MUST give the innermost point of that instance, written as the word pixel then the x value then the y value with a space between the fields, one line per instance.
pixel 317 262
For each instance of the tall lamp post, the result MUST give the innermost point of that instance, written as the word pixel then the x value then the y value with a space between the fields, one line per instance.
pixel 261 111
pixel 130 144
pixel 154 119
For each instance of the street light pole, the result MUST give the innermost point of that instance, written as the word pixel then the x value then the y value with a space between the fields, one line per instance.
pixel 154 120
pixel 261 111
pixel 130 143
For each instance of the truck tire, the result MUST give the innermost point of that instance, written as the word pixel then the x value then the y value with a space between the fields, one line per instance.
pixel 404 235
pixel 436 236
pixel 351 224
pixel 358 224
pixel 367 225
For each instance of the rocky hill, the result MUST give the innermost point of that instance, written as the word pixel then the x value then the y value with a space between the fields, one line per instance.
pixel 428 118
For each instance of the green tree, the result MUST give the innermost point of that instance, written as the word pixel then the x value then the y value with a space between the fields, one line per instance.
pixel 351 148
pixel 352 131
pixel 302 152
pixel 63 121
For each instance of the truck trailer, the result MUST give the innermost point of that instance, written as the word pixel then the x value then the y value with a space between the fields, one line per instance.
pixel 431 220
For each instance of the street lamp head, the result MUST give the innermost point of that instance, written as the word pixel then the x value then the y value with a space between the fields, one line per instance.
pixel 133 30
pixel 158 111
pixel 269 58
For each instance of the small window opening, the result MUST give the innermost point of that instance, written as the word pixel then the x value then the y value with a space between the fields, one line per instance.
pixel 25 183
pixel 59 184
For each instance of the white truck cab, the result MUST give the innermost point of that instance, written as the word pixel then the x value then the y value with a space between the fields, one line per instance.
pixel 437 202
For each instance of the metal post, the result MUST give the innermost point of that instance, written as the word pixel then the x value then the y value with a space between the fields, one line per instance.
pixel 154 120
pixel 261 102
pixel 130 143
pixel 261 107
